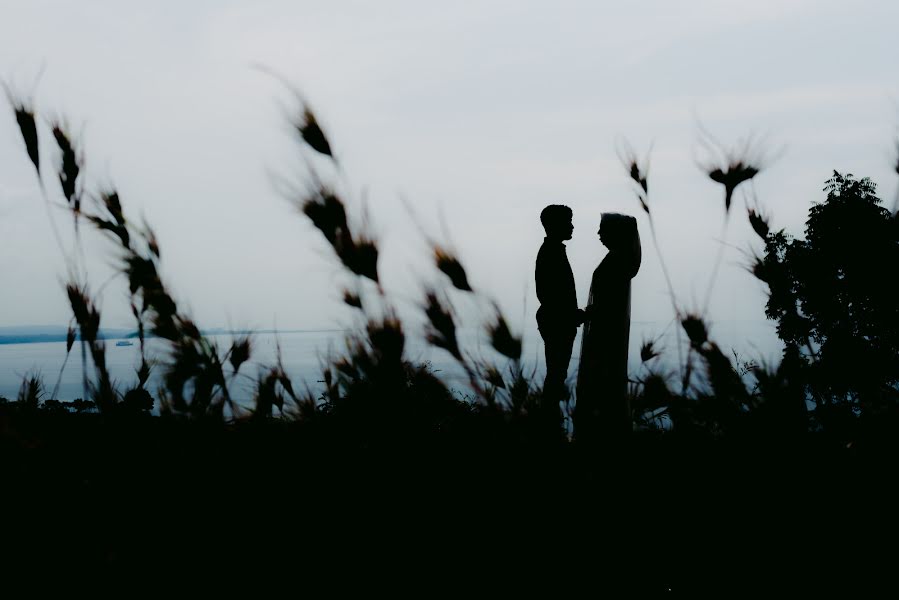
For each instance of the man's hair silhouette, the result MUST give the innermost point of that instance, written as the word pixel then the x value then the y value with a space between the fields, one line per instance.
pixel 554 217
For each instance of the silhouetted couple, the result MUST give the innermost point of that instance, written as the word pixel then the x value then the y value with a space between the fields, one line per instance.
pixel 602 406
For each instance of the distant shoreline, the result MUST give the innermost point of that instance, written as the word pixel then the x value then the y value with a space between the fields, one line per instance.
pixel 38 338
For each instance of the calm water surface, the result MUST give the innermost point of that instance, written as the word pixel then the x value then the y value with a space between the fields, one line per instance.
pixel 303 353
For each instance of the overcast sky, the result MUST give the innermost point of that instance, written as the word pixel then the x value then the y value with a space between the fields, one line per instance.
pixel 478 113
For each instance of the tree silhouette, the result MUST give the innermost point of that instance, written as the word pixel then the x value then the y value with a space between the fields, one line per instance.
pixel 832 295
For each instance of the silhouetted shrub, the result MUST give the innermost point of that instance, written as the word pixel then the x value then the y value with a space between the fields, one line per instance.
pixel 833 296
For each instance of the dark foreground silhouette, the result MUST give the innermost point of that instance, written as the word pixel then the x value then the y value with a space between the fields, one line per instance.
pixel 558 315
pixel 602 400
pixel 483 502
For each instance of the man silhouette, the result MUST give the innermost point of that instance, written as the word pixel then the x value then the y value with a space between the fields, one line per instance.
pixel 558 316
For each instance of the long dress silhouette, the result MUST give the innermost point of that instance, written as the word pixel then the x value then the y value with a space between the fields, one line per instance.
pixel 602 406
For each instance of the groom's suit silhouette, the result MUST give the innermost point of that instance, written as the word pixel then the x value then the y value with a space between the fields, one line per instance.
pixel 558 316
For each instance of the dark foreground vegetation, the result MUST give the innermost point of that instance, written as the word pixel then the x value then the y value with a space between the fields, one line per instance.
pixel 484 502
pixel 736 475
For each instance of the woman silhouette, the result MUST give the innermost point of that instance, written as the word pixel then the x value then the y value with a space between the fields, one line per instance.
pixel 602 403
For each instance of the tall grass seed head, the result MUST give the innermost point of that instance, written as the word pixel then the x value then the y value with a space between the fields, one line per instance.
pixel 759 223
pixel 502 339
pixel 312 133
pixel 696 330
pixel 648 351
pixel 28 128
pixel 441 331
pixel 450 266
pixel 69 168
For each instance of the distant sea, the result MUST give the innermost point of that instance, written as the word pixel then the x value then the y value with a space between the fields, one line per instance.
pixel 304 352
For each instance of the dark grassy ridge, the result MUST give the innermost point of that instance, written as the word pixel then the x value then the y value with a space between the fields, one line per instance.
pixel 151 495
